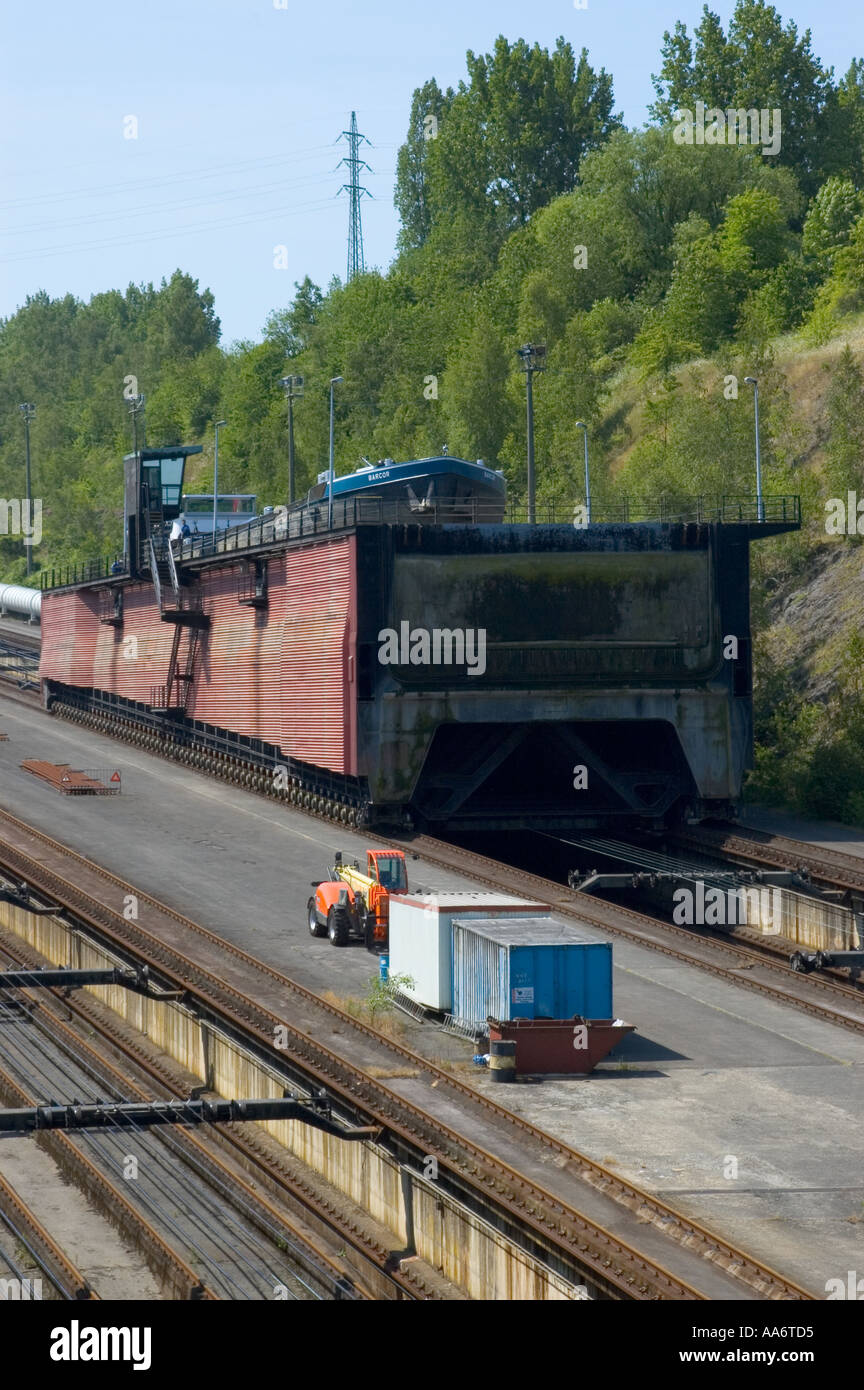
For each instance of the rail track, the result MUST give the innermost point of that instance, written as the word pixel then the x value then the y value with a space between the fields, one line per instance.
pixel 742 961
pixel 172 1269
pixel 743 958
pixel 184 954
pixel 311 796
pixel 65 1277
pixel 240 1139
pixel 828 866
pixel 282 1239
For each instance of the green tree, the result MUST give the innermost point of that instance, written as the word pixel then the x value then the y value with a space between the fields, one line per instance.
pixel 759 64
pixel 843 292
pixel 844 414
pixel 476 406
pixel 830 219
pixel 182 321
pixel 292 328
pixel 754 237
pixel 641 186
pixel 412 200
pixel 850 94
pixel 513 137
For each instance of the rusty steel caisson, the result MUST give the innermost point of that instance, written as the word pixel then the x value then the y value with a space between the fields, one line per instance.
pixel 540 676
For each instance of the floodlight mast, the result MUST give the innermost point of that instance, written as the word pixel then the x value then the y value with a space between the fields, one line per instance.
pixel 533 357
pixel 331 477
pixel 760 505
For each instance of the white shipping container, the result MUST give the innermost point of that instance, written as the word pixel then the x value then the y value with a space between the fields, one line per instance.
pixel 419 937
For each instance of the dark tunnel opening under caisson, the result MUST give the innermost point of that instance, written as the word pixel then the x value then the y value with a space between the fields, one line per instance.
pixel 573 773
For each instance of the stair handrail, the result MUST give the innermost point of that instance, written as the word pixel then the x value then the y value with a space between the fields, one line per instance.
pixel 175 582
pixel 154 570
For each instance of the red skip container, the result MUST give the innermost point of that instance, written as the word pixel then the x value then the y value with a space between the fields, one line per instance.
pixel 564 1045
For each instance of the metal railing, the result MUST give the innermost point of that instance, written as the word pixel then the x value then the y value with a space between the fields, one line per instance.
pixel 154 571
pixel 311 519
pixel 172 567
pixel 82 572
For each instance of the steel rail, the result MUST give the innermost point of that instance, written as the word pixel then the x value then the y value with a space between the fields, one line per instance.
pixel 763 847
pixel 611 1260
pixel 77 1059
pixel 168 1263
pixel 613 920
pixel 52 1259
pixel 185 1139
pixel 120 1037
pixel 544 1213
pixel 655 933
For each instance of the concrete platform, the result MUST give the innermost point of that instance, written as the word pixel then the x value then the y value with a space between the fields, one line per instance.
pixel 19 632
pixel 713 1074
pixel 105 1258
pixel 826 834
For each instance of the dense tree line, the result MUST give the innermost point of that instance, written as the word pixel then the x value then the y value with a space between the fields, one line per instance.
pixel 655 271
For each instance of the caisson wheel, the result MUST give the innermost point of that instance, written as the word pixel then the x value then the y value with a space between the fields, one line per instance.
pixel 338 925
pixel 315 927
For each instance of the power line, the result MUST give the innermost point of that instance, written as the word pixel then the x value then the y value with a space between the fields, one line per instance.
pixel 67 250
pixel 356 263
pixel 177 206
pixel 160 181
pixel 86 219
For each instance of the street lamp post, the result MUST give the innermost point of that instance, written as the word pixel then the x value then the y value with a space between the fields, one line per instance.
pixel 136 408
pixel 580 425
pixel 760 505
pixel 293 387
pixel 216 428
pixel 28 411
pixel 533 358
pixel 332 473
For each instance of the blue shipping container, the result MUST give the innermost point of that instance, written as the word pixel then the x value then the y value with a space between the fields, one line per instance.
pixel 533 967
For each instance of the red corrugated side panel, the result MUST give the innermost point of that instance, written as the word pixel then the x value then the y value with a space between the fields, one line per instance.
pixel 132 668
pixel 319 708
pixel 284 674
pixel 237 673
pixel 79 650
pixel 70 625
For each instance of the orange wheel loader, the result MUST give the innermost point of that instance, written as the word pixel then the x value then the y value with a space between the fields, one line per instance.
pixel 353 905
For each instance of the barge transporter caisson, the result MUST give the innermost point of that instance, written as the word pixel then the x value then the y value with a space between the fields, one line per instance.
pixel 402 652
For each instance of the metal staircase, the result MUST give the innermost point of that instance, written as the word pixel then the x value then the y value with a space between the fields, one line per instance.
pixel 173 696
pixel 188 616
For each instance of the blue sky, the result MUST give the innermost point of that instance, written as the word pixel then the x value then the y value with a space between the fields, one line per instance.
pixel 238 104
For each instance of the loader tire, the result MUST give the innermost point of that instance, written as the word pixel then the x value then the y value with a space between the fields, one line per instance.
pixel 338 926
pixel 315 927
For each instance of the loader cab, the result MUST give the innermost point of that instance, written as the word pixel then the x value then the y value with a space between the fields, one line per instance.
pixel 387 868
